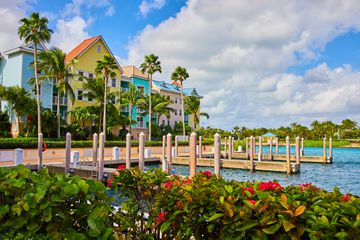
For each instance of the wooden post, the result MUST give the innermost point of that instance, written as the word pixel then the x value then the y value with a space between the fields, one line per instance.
pixel 164 166
pixel 141 150
pixel 95 152
pixel 128 151
pixel 168 153
pixel 260 149
pixel 302 147
pixel 247 147
pixel 225 143
pixel 288 163
pixel 176 146
pixel 217 153
pixel 277 146
pixel 192 154
pixel 297 150
pixel 330 150
pixel 230 145
pixel 252 146
pixel 40 152
pixel 324 150
pixel 101 159
pixel 270 150
pixel 68 153
pixel 200 147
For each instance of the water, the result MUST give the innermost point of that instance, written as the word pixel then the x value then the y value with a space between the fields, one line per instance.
pixel 344 172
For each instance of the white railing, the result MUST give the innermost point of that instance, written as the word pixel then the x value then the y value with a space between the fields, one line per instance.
pixel 140 125
pixel 125 109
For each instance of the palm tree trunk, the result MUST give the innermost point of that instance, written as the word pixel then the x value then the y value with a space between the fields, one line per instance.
pixel 58 114
pixel 100 117
pixel 150 86
pixel 19 123
pixel 105 100
pixel 182 110
pixel 39 158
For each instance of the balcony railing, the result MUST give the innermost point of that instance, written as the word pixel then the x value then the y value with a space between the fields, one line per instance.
pixel 123 89
pixel 138 110
pixel 140 125
pixel 63 101
pixel 153 115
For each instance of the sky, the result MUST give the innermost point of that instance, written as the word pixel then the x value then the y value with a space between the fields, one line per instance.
pixel 256 63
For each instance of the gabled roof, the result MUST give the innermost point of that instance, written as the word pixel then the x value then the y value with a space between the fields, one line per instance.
pixel 132 71
pixel 26 47
pixel 191 92
pixel 175 88
pixel 269 134
pixel 176 83
pixel 85 45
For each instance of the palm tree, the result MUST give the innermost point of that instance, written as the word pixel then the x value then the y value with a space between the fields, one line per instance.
pixel 34 30
pixel 150 66
pixel 106 67
pixel 52 64
pixel 132 98
pixel 180 74
pixel 192 106
pixel 159 105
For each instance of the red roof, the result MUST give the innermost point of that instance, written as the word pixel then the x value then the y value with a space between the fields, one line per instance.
pixel 80 48
pixel 176 83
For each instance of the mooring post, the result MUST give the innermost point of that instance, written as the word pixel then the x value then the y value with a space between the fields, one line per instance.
pixel 252 146
pixel 141 150
pixel 302 147
pixel 192 154
pixel 225 146
pixel 288 163
pixel 230 147
pixel 95 148
pixel 128 151
pixel 297 150
pixel 330 150
pixel 271 147
pixel 277 146
pixel 200 147
pixel 163 163
pixel 176 146
pixel 101 159
pixel 260 149
pixel 168 153
pixel 67 153
pixel 217 153
pixel 247 147
pixel 40 151
pixel 324 150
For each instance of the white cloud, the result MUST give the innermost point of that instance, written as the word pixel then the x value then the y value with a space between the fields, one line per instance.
pixel 147 6
pixel 245 48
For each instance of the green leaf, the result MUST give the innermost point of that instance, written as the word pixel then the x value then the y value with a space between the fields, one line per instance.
pixel 288 225
pixel 83 186
pixel 4 210
pixel 300 210
pixel 165 226
pixel 341 235
pixel 211 227
pixel 222 200
pixel 247 225
pixel 325 220
pixel 216 216
pixel 71 189
pixel 229 188
pixel 95 231
pixel 272 229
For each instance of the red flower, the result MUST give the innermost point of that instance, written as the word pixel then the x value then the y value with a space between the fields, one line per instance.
pixel 187 181
pixel 207 173
pixel 253 202
pixel 168 185
pixel 269 186
pixel 161 217
pixel 305 186
pixel 109 182
pixel 121 167
pixel 345 198
pixel 249 189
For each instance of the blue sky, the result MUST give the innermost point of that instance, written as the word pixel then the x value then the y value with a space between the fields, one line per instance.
pixel 257 63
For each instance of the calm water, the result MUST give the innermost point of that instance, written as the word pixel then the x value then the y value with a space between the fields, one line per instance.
pixel 343 173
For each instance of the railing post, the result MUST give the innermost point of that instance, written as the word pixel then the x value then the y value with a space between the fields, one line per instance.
pixel 247 147
pixel 40 152
pixel 217 153
pixel 176 146
pixel 297 150
pixel 324 150
pixel 225 147
pixel 252 143
pixel 19 156
pixel 141 150
pixel 302 147
pixel 164 165
pixel 67 153
pixel 192 154
pixel 260 149
pixel 330 150
pixel 230 147
pixel 168 153
pixel 200 147
pixel 271 148
pixel 102 155
pixel 277 146
pixel 128 151
pixel 95 148
pixel 288 163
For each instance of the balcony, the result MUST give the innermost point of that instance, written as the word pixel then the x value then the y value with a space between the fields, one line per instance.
pixel 123 89
pixel 63 101
pixel 153 115
pixel 138 110
pixel 125 109
pixel 140 125
pixel 186 117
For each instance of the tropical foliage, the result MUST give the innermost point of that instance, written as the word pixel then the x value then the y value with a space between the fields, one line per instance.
pixel 160 106
pixel 192 106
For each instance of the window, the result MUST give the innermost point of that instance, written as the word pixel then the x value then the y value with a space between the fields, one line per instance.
pixel 99 48
pixel 79 95
pixel 163 122
pixel 90 96
pixel 180 100
pixel 140 122
pixel 113 82
pixel 91 76
pixel 180 112
pixel 175 99
pixel 175 112
pixel 81 74
pixel 113 100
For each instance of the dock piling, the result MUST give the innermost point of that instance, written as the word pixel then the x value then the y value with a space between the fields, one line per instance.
pixel 260 149
pixel 288 164
pixel 128 151
pixel 101 159
pixel 277 146
pixel 168 153
pixel 330 150
pixel 324 150
pixel 176 146
pixel 95 164
pixel 225 146
pixel 270 150
pixel 252 146
pixel 163 151
pixel 40 152
pixel 230 147
pixel 67 153
pixel 302 147
pixel 141 150
pixel 217 153
pixel 200 147
pixel 247 147
pixel 192 154
pixel 297 150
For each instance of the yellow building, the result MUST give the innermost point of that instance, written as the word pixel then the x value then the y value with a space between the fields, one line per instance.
pixel 87 53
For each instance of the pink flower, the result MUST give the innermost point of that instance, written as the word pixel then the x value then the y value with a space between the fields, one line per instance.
pixel 253 202
pixel 345 198
pixel 121 167
pixel 109 182
pixel 168 185
pixel 305 186
pixel 249 189
pixel 207 173
pixel 161 217
pixel 269 186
